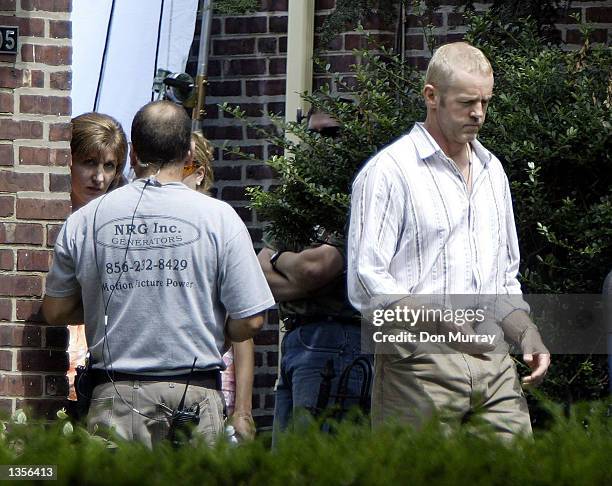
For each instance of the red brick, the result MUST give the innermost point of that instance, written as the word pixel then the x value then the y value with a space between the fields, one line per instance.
pixel 37 79
pixel 7 5
pixel 20 336
pixel 7 206
pixel 42 208
pixel 59 182
pixel 27 52
pixel 21 385
pixel 278 24
pixel 340 64
pixel 6 102
pixel 41 360
pixel 44 156
pixel 52 232
pixel 246 25
pixel 60 157
pixel 255 150
pixel 265 87
pixel 266 338
pixel 245 214
pixel 60 132
pixel 47 5
pixel 225 88
pixel 13 130
pixel 274 5
pixel 230 47
pixel 234 193
pixel 33 156
pixel 265 379
pixel 418 21
pixel 29 310
pixel 259 172
pixel 6 154
pixel 599 15
pixel 21 233
pixel 415 42
pixel 223 133
pixel 21 285
pixel 30 27
pixel 267 45
pixel 57 337
pixel 6 360
pixel 228 173
pixel 53 55
pixel 60 29
pixel 325 4
pixel 597 35
pixel 34 260
pixel 6 309
pixel 276 109
pixel 61 80
pixel 6 404
pixel 278 65
pixel 45 105
pixel 11 181
pixel 242 67
pixel 56 385
pixel 7 259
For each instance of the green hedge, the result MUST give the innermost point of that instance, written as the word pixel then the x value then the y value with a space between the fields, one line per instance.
pixel 574 451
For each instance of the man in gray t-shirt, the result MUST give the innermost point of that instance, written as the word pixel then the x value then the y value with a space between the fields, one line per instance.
pixel 153 269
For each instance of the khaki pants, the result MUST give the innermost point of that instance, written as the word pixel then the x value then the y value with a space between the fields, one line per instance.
pixel 152 398
pixel 413 387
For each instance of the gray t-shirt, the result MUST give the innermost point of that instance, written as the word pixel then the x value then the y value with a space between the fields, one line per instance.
pixel 165 276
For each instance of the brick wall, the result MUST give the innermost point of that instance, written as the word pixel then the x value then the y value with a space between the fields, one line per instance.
pixel 34 185
pixel 248 68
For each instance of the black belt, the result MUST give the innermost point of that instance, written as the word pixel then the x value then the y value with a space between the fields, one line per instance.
pixel 206 379
pixel 292 322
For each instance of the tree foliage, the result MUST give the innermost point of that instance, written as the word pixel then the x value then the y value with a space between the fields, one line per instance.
pixel 549 123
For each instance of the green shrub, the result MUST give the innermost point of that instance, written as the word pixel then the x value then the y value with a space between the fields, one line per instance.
pixel 574 451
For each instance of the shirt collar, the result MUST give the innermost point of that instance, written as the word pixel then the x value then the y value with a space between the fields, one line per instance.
pixel 426 146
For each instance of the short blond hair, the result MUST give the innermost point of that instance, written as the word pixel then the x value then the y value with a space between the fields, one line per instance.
pixel 203 157
pixel 454 56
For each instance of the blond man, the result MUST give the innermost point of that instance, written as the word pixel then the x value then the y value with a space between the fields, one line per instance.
pixel 431 214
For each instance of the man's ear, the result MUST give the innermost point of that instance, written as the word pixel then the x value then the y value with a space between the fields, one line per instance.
pixel 431 95
pixel 133 157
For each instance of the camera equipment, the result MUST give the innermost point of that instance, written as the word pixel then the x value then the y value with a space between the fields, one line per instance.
pixel 184 419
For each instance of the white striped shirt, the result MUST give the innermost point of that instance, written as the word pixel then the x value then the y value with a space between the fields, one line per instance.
pixel 415 229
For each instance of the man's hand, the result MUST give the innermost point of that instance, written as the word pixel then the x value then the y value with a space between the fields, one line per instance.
pixel 243 424
pixel 519 328
pixel 536 356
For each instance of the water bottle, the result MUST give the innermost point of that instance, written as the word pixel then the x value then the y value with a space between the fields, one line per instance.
pixel 232 437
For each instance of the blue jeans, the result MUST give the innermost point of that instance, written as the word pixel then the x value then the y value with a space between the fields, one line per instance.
pixel 306 351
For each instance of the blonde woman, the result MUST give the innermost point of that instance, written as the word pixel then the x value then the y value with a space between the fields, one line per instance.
pixel 237 379
pixel 99 149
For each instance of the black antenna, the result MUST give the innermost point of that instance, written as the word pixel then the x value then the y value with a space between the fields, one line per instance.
pixel 182 404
